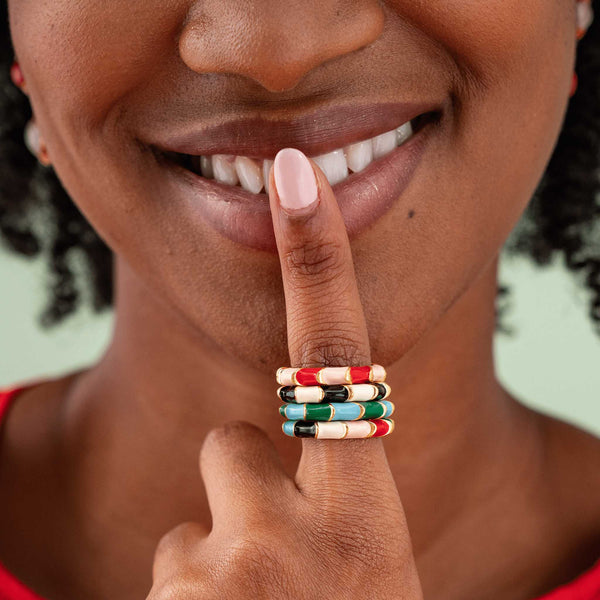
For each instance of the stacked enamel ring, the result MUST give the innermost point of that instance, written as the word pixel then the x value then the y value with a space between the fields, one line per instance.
pixel 335 403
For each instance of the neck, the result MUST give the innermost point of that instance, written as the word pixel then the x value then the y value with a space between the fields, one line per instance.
pixel 160 387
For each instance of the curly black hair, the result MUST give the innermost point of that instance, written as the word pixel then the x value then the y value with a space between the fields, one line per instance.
pixel 37 216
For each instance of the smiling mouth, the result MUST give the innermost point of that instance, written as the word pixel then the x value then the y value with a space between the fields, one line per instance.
pixel 251 174
pixel 215 173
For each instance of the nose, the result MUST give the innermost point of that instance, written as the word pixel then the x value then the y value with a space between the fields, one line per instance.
pixel 275 42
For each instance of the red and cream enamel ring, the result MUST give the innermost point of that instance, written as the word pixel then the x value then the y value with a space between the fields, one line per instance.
pixel 330 375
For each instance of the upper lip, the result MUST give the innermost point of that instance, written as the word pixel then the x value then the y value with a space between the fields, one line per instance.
pixel 314 133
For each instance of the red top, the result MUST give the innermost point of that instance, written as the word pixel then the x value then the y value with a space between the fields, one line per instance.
pixel 585 587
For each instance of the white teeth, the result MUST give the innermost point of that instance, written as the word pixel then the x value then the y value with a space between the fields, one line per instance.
pixel 383 144
pixel 224 168
pixel 267 164
pixel 359 155
pixel 334 165
pixel 337 165
pixel 249 173
pixel 403 133
pixel 206 167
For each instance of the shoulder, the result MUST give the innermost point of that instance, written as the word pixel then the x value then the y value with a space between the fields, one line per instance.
pixel 29 505
pixel 573 453
pixel 19 397
pixel 572 458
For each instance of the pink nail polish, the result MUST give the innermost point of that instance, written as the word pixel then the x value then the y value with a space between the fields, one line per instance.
pixel 295 180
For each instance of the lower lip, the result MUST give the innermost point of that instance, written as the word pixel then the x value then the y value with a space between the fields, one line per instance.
pixel 245 218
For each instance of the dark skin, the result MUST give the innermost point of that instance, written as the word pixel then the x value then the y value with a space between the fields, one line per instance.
pixel 96 467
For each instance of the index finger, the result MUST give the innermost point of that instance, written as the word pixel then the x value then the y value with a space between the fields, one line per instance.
pixel 325 320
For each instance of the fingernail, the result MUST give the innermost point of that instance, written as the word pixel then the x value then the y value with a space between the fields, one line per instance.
pixel 295 181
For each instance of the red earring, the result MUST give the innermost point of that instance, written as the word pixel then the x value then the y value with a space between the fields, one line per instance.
pixel 16 76
pixel 574 82
pixel 32 137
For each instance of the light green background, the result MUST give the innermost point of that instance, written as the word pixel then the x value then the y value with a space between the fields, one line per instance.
pixel 552 362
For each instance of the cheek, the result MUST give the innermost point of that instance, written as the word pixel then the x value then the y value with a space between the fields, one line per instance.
pixel 82 60
pixel 507 124
pixel 516 65
pixel 516 61
pixel 98 51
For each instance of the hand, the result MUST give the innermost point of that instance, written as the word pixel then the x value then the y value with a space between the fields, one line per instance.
pixel 338 530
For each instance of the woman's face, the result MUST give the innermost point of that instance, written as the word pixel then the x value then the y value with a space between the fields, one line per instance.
pixel 108 80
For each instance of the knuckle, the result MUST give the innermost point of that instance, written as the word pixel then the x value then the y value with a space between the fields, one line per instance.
pixel 337 349
pixel 170 590
pixel 314 261
pixel 364 550
pixel 257 563
pixel 379 546
pixel 178 541
pixel 254 553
